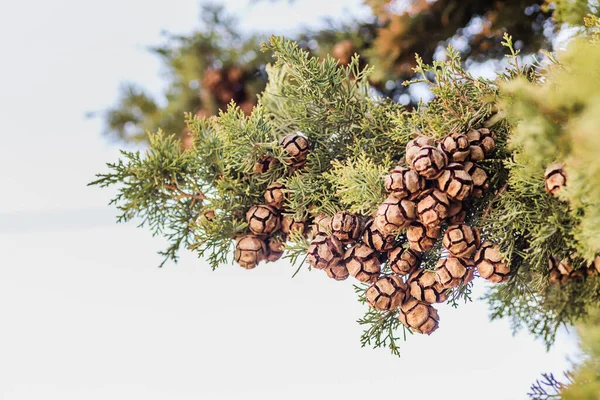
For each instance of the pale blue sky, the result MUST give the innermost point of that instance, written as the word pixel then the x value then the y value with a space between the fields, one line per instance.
pixel 87 315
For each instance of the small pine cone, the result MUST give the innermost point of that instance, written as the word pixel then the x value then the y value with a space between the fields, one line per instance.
pixel 418 316
pixel 321 225
pixel 404 183
pixel 404 261
pixel 263 219
pixel 456 147
pixel 461 240
pixel 491 264
pixel 297 147
pixel 249 251
pixel 274 195
pixel 421 237
pixel 325 252
pixel 455 182
pixel 413 147
pixel 432 207
pixel 424 287
pixel 556 178
pixel 429 162
pixel 346 226
pixel 565 267
pixel 394 215
pixel 290 224
pixel 480 178
pixel 452 271
pixel 362 263
pixel 456 213
pixel 594 268
pixel 376 240
pixel 339 272
pixel 274 250
pixel 597 263
pixel 387 293
pixel 482 143
pixel 264 164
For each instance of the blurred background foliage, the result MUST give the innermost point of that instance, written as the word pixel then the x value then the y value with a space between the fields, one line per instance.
pixel 208 68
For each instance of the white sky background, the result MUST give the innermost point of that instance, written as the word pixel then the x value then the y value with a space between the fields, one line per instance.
pixel 85 313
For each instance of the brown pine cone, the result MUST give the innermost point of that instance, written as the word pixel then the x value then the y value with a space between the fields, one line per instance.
pixel 263 219
pixel 362 263
pixel 264 164
pixel 325 252
pixel 461 240
pixel 480 179
pixel 289 224
pixel 429 162
pixel 321 225
pixel 456 147
pixel 249 251
pixel 404 261
pixel 455 182
pixel 556 178
pixel 418 316
pixel 424 287
pixel 482 143
pixel 491 264
pixel 376 240
pixel 387 293
pixel 394 215
pixel 432 207
pixel 339 272
pixel 346 226
pixel 297 147
pixel 274 195
pixel 452 271
pixel 456 213
pixel 421 237
pixel 274 250
pixel 404 183
pixel 413 147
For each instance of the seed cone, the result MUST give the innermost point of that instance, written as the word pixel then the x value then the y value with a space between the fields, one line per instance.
pixel 387 293
pixel 418 316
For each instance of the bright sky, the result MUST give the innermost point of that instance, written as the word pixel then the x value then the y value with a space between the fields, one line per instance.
pixel 86 314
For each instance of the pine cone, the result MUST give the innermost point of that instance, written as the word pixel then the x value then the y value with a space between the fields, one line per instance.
pixel 325 252
pixel 565 267
pixel 394 215
pixel 596 263
pixel 362 263
pixel 491 264
pixel 456 213
pixel 339 272
pixel 456 147
pixel 432 207
pixel 455 182
pixel 343 51
pixel 429 162
pixel 346 226
pixel 289 224
pixel 556 178
pixel 453 271
pixel 321 225
pixel 387 293
pixel 480 178
pixel 274 195
pixel 404 183
pixel 423 287
pixel 249 251
pixel 404 261
pixel 418 316
pixel 376 240
pixel 413 147
pixel 264 164
pixel 482 143
pixel 297 146
pixel 421 237
pixel 274 250
pixel 263 219
pixel 461 240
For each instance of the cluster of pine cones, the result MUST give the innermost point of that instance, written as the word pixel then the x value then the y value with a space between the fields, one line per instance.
pixel 563 271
